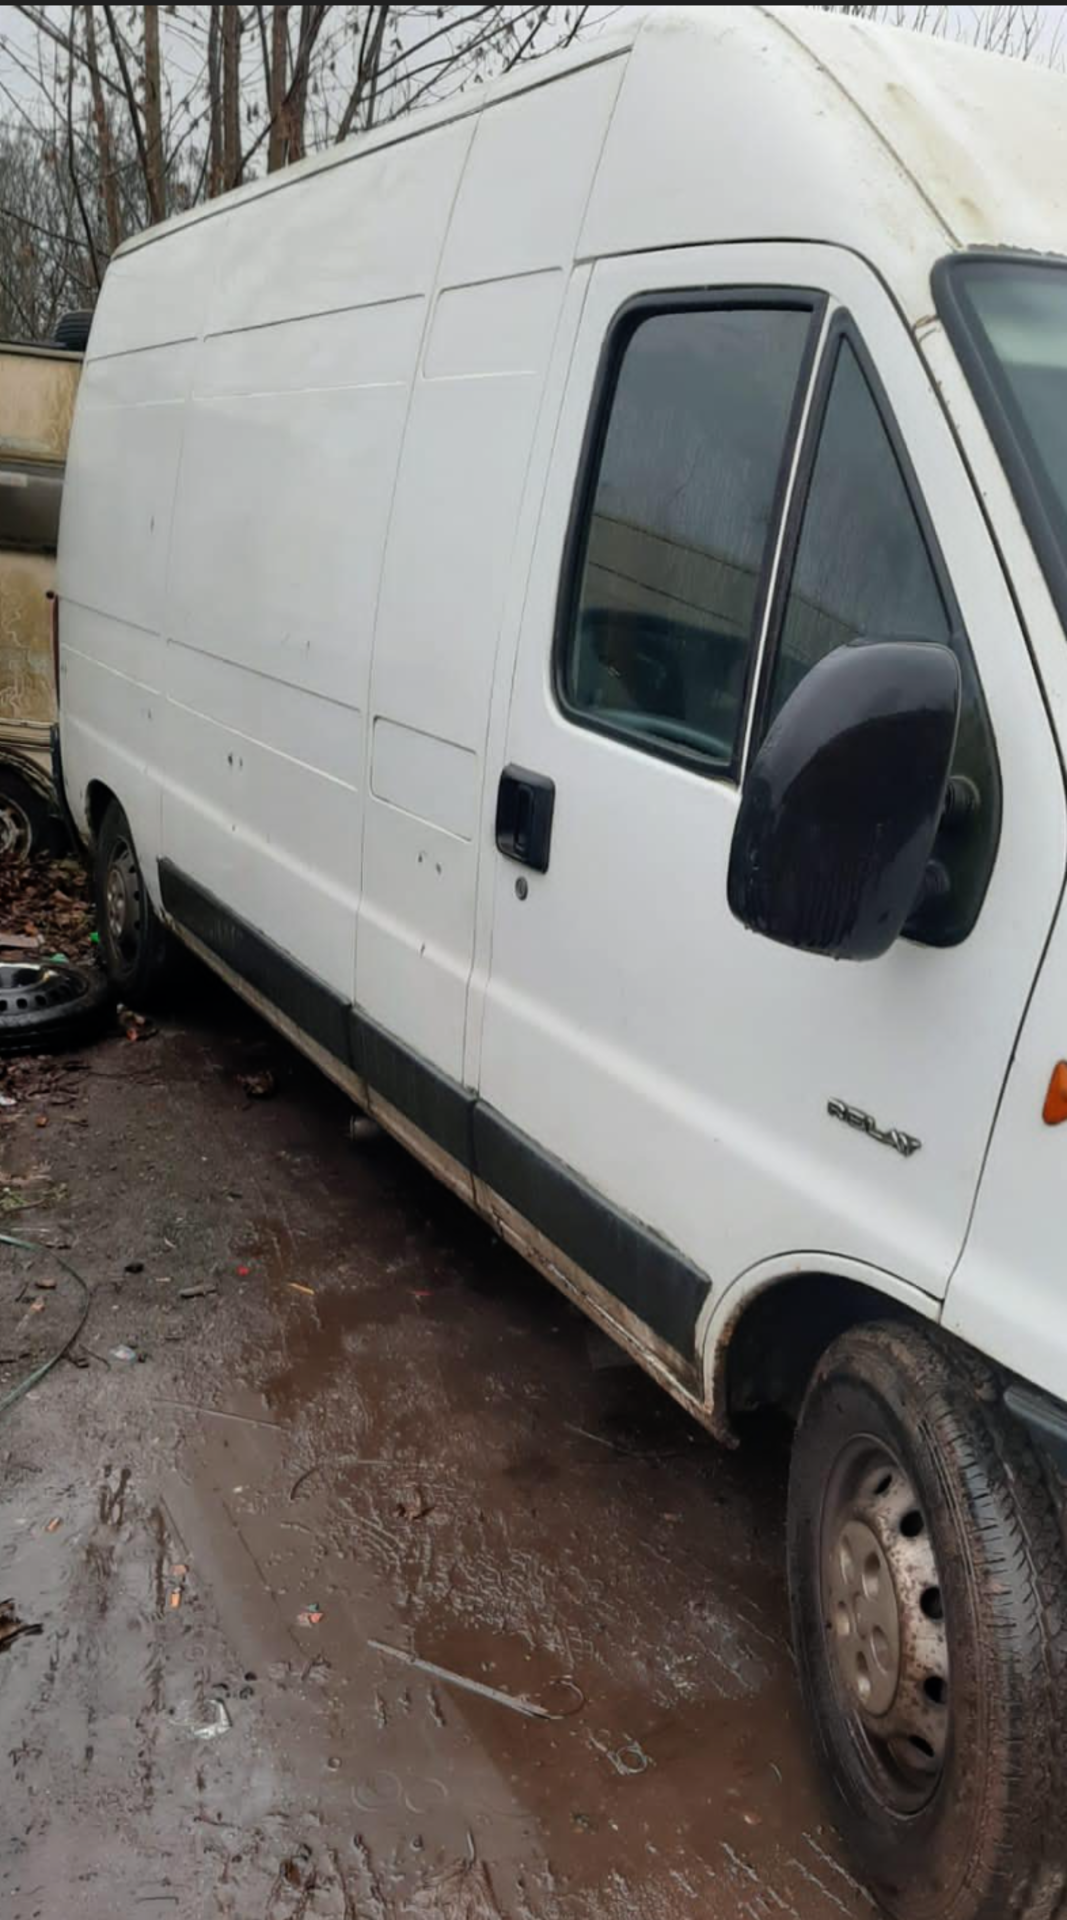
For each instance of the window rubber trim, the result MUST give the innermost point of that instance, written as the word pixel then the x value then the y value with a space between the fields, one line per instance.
pixel 624 324
pixel 1012 440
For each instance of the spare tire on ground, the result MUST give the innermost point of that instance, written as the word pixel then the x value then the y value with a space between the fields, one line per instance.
pixel 72 330
pixel 50 1004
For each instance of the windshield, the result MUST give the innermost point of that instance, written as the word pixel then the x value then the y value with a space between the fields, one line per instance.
pixel 1008 320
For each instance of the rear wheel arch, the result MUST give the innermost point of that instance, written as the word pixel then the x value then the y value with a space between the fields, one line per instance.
pixel 98 798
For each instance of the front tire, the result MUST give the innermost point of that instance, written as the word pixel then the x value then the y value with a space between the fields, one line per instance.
pixel 928 1583
pixel 138 951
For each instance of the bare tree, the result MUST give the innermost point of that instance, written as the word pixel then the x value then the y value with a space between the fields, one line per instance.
pixel 44 268
pixel 324 72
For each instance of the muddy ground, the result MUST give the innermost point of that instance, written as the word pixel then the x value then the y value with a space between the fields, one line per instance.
pixel 376 1414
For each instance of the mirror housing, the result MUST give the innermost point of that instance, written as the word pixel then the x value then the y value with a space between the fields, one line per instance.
pixel 842 804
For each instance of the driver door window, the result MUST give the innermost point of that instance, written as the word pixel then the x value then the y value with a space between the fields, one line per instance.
pixel 674 525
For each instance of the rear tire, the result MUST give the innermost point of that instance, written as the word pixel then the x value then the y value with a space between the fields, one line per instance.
pixel 928 1584
pixel 139 953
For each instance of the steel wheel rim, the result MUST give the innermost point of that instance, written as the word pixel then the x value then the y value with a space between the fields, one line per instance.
pixel 16 830
pixel 887 1644
pixel 31 986
pixel 123 905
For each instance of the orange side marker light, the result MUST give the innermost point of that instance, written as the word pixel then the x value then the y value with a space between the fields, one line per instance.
pixel 1055 1108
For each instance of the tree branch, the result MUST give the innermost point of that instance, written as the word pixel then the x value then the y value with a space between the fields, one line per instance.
pixel 37 18
pixel 34 226
pixel 540 17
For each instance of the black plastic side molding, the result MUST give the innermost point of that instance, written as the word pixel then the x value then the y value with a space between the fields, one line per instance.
pixel 631 1262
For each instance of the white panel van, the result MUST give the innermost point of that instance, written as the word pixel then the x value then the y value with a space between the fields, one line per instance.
pixel 563 607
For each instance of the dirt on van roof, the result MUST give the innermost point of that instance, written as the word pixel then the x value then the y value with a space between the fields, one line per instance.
pixel 351 1574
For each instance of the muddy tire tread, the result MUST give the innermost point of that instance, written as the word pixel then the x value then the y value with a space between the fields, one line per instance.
pixel 1009 1496
pixel 1038 1564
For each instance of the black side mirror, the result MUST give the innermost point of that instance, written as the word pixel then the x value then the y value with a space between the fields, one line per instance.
pixel 843 801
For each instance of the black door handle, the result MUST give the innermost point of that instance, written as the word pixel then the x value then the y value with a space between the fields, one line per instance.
pixel 524 808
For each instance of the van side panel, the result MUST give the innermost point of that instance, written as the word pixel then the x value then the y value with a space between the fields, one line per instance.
pixel 122 469
pixel 451 549
pixel 293 434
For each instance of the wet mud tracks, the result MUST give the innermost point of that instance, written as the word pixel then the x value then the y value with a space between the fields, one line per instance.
pixel 372 1584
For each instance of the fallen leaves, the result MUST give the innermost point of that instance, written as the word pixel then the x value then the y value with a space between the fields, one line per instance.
pixel 46 906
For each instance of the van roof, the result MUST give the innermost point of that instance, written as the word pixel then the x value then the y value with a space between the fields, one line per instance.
pixel 824 127
pixel 983 137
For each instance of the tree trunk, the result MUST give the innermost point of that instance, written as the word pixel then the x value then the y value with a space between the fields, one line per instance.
pixel 72 163
pixel 374 63
pixel 108 184
pixel 231 96
pixel 153 114
pixel 298 93
pixel 214 102
pixel 276 149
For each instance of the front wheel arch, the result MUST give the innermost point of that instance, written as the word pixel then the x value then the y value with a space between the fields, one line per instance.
pixel 767 1335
